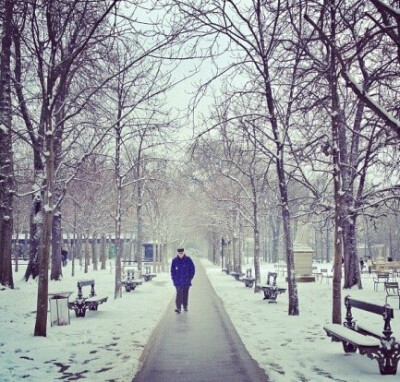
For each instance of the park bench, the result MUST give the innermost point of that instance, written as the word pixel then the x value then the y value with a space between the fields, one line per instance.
pixel 281 268
pixel 380 278
pixel 368 340
pixel 392 290
pixel 237 275
pixel 148 276
pixel 248 278
pixel 325 275
pixel 271 290
pixel 81 304
pixel 130 283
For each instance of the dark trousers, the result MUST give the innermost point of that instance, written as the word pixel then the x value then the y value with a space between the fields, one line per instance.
pixel 182 296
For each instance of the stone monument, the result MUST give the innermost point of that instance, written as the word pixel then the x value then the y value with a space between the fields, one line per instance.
pixel 303 254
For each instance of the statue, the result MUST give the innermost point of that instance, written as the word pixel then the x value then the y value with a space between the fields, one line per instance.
pixel 302 238
pixel 303 253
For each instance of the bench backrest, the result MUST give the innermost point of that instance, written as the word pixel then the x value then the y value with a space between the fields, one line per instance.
pixel 85 282
pixel 392 288
pixel 384 310
pixel 130 272
pixel 370 307
pixel 82 283
pixel 274 275
pixel 384 276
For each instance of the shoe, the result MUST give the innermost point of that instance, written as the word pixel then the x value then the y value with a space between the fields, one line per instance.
pixel 185 309
pixel 177 310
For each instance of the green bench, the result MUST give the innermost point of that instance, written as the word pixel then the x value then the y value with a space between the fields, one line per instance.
pixel 81 304
pixel 375 344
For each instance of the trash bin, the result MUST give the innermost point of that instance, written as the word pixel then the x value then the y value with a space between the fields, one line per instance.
pixel 59 312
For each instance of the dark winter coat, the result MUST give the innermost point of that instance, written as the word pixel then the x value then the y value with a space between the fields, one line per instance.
pixel 182 271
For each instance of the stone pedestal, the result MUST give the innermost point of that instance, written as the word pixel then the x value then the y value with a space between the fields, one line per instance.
pixel 303 258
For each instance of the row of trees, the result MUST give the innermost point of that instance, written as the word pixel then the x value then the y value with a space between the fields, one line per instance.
pixel 304 124
pixel 307 117
pixel 82 102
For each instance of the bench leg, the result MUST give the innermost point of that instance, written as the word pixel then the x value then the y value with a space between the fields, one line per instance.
pixel 387 359
pixel 80 311
pixel 388 366
pixel 271 295
pixel 349 348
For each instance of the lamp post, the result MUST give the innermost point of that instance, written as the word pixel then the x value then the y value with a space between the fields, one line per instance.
pixel 222 252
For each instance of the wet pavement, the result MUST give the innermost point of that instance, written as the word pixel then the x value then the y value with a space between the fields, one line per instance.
pixel 198 345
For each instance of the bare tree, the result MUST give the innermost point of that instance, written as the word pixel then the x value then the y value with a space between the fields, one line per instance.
pixel 354 148
pixel 6 151
pixel 49 22
pixel 254 29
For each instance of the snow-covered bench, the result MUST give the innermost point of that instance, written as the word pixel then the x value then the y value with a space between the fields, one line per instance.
pixel 81 304
pixel 237 275
pixel 130 283
pixel 248 278
pixel 148 276
pixel 367 340
pixel 271 290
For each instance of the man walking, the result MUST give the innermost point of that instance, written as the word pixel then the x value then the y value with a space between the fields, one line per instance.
pixel 182 273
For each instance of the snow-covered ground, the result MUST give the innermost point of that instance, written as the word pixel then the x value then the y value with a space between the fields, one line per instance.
pixel 107 345
pixel 296 348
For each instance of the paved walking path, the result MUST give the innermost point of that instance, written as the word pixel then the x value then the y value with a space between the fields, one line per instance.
pixel 199 345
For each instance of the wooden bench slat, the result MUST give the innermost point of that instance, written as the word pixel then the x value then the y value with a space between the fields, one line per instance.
pixel 85 282
pixel 368 330
pixel 346 334
pixel 370 307
pixel 96 299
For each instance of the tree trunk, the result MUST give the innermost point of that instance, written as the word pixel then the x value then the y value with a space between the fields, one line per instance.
pixel 352 274
pixel 118 209
pixel 275 230
pixel 139 218
pixel 79 248
pixel 57 239
pixel 293 309
pixel 56 246
pixel 87 253
pixel 103 256
pixel 36 224
pixel 6 153
pixel 337 177
pixel 327 245
pixel 283 194
pixel 43 284
pixel 48 211
pixel 94 252
pixel 257 271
